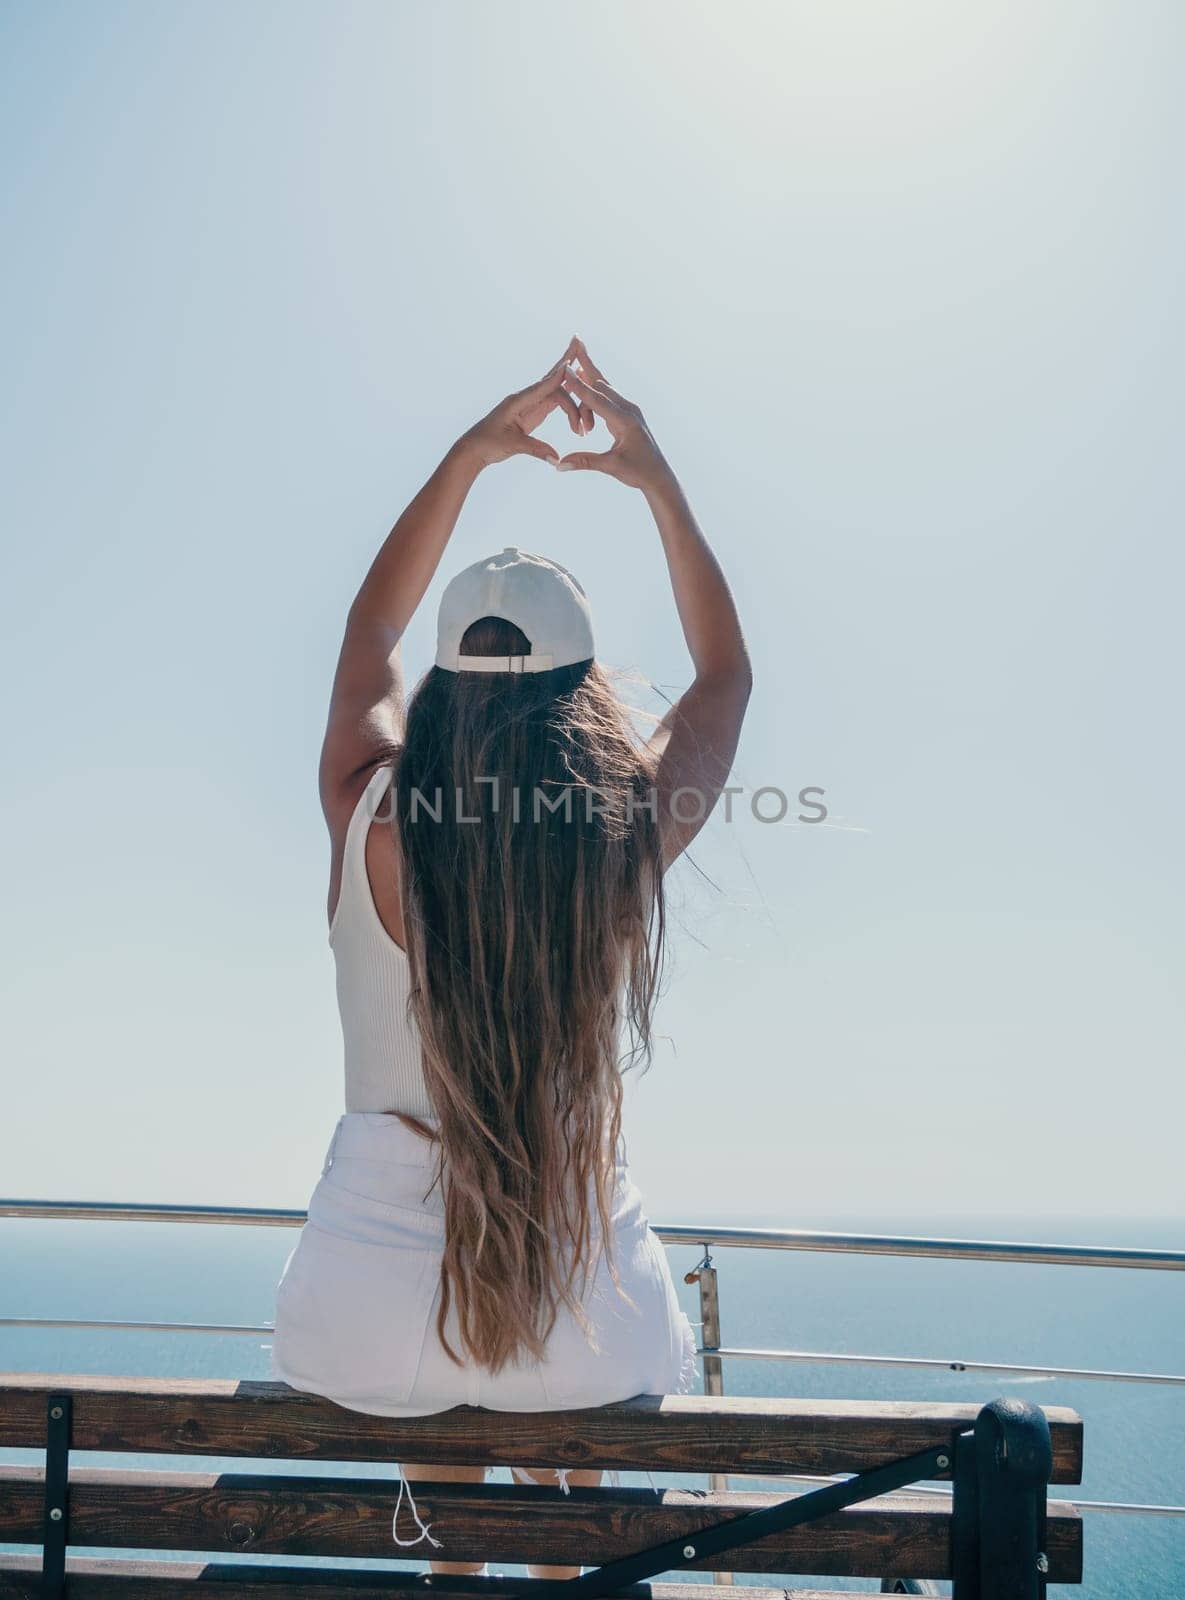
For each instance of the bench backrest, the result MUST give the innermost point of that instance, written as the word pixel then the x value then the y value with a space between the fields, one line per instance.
pixel 276 1511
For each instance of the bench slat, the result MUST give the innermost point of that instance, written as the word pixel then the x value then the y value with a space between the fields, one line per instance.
pixel 92 1579
pixel 906 1536
pixel 670 1433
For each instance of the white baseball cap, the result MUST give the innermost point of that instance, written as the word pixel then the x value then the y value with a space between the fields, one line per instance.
pixel 537 595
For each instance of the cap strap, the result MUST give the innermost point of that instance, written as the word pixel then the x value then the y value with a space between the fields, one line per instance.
pixel 531 663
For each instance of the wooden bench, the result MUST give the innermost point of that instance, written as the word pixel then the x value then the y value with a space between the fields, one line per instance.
pixel 996 1538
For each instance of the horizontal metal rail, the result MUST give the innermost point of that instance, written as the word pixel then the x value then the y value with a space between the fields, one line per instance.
pixel 1061 1255
pixel 103 1325
pixel 1119 1507
pixel 932 1363
pixel 873 1244
pixel 937 1363
pixel 102 1211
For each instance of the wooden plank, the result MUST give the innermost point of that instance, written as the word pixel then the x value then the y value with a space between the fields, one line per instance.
pixel 670 1433
pixel 903 1536
pixel 98 1579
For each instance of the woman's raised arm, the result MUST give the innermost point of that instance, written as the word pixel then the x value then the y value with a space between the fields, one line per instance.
pixel 366 704
pixel 697 739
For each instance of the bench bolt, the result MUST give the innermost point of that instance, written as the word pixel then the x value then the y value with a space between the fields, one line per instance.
pixel 942 1461
pixel 56 1514
pixel 688 1551
pixel 1042 1561
pixel 56 1413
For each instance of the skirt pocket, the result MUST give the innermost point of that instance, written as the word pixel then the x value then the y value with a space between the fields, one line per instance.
pixel 355 1302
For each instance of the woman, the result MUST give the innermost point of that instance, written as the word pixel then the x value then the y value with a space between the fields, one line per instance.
pixel 496 917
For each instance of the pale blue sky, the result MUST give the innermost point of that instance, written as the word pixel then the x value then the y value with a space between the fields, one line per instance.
pixel 899 290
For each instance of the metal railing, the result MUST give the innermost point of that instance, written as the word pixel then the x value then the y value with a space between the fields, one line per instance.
pixel 869 1244
pixel 710 1349
pixel 714 1353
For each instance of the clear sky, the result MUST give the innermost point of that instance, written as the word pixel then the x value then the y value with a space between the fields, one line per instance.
pixel 899 289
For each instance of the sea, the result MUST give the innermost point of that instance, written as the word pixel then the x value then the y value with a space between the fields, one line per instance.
pixel 1081 1317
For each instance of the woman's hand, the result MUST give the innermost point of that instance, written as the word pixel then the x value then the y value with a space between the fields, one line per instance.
pixel 508 429
pixel 633 458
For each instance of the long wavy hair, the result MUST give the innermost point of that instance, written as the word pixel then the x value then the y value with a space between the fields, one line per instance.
pixel 531 875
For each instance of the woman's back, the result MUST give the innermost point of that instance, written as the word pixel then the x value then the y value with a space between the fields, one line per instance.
pixel 382 1046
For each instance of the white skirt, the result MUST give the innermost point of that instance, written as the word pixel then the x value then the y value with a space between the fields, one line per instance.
pixel 356 1307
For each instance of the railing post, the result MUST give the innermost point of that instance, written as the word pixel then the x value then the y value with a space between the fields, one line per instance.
pixel 1014 1463
pixel 709 1307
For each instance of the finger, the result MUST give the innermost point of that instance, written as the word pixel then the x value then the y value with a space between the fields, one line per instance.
pixel 619 400
pixel 603 386
pixel 573 411
pixel 589 408
pixel 550 378
pixel 598 378
pixel 595 399
pixel 587 363
pixel 532 407
pixel 585 421
pixel 539 448
pixel 549 383
pixel 565 358
pixel 589 461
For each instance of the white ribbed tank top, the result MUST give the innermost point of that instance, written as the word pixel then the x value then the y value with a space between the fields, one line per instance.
pixel 382 1045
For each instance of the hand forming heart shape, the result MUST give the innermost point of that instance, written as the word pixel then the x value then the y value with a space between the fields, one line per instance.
pixel 633 458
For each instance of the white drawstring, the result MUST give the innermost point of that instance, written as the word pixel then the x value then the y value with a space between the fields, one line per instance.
pixel 423 1527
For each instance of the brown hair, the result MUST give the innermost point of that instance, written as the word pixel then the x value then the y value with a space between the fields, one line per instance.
pixel 534 921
